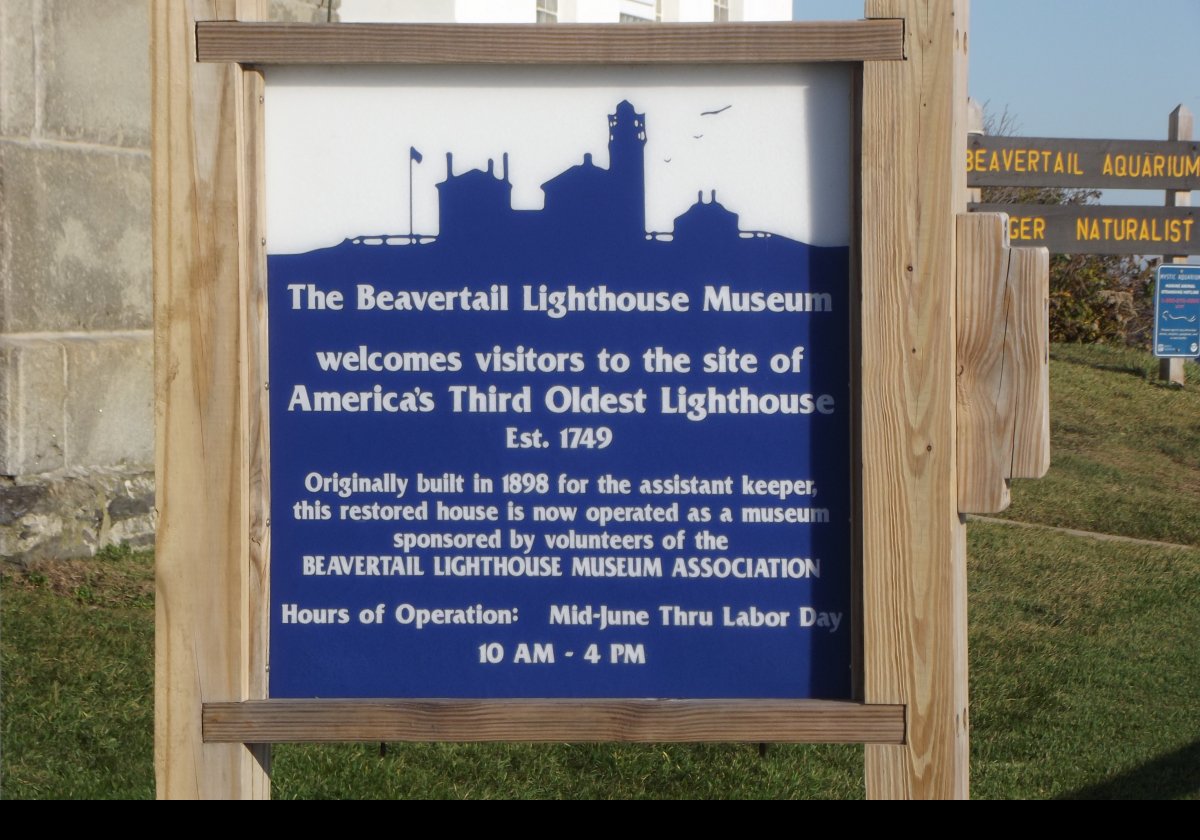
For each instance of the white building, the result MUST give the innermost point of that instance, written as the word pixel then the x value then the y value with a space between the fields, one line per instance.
pixel 564 11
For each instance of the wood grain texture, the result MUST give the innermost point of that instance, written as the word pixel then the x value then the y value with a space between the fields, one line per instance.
pixel 1003 338
pixel 1029 344
pixel 914 541
pixel 985 413
pixel 203 629
pixel 645 721
pixel 383 43
pixel 253 298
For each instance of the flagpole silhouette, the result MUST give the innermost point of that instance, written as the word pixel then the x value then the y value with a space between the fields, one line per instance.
pixel 413 155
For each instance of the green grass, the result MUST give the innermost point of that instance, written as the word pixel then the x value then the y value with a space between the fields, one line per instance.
pixel 1084 654
pixel 1084 667
pixel 560 771
pixel 76 679
pixel 1125 449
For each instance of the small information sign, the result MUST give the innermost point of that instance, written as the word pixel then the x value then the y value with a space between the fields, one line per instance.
pixel 1177 311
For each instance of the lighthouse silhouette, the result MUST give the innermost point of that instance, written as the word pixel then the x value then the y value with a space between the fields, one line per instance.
pixel 592 224
pixel 584 204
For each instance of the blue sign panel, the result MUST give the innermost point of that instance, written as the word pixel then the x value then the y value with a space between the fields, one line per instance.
pixel 1177 311
pixel 552 452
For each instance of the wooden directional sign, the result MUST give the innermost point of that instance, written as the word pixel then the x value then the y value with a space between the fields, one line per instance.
pixel 1096 229
pixel 1059 162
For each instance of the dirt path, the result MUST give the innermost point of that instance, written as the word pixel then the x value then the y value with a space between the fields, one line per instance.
pixel 991 520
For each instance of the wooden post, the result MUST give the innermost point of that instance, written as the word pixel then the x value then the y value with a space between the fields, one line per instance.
pixel 209 267
pixel 914 541
pixel 985 409
pixel 1003 364
pixel 1029 344
pixel 1179 127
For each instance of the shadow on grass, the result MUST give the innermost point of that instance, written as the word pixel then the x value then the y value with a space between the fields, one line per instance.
pixel 1140 371
pixel 1169 776
pixel 1113 359
pixel 1132 370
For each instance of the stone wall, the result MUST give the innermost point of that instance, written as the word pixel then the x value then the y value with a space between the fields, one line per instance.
pixel 75 513
pixel 76 379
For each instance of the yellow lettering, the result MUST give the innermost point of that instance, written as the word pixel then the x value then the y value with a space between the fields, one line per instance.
pixel 1024 228
pixel 994 165
pixel 1142 166
pixel 1058 163
pixel 1187 228
pixel 1046 160
pixel 1130 229
pixel 1074 158
pixel 1144 232
pixel 1007 156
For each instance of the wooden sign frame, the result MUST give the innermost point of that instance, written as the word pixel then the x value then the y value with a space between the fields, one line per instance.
pixel 213 723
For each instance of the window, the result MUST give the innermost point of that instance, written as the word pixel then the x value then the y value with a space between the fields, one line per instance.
pixel 721 11
pixel 638 11
pixel 547 11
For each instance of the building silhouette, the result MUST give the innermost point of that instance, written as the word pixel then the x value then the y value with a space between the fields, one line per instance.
pixel 584 202
pixel 592 225
pixel 585 205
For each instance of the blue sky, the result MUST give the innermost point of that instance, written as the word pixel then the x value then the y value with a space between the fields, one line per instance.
pixel 1076 68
